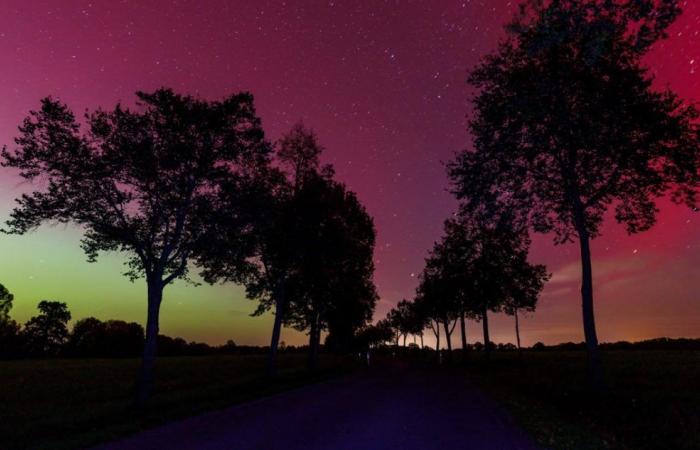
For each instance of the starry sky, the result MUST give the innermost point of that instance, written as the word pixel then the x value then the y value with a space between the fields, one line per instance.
pixel 383 85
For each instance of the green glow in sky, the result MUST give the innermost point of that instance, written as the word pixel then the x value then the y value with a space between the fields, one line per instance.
pixel 49 264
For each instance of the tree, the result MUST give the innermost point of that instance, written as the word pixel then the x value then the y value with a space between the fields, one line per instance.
pixel 48 332
pixel 11 341
pixel 332 287
pixel 417 321
pixel 301 224
pixel 503 278
pixel 142 182
pixel 374 335
pixel 87 338
pixel 113 339
pixel 526 284
pixel 272 224
pixel 6 299
pixel 455 255
pixel 440 295
pixel 566 125
pixel 400 319
pixel 278 228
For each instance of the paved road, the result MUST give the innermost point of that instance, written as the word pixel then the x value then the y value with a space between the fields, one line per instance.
pixel 381 409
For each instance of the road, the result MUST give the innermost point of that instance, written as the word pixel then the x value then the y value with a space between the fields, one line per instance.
pixel 378 409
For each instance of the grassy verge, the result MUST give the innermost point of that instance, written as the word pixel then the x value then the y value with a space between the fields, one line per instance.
pixel 62 404
pixel 652 400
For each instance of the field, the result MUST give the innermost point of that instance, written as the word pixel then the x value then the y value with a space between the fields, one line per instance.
pixel 73 403
pixel 652 399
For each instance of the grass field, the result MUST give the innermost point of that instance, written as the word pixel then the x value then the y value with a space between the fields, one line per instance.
pixel 652 400
pixel 72 403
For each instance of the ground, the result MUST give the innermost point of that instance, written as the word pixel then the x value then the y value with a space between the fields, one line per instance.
pixel 76 403
pixel 651 401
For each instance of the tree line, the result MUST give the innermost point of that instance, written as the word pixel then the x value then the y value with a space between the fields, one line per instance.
pixel 178 184
pixel 47 335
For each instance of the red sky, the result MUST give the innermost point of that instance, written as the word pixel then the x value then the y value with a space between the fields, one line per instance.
pixel 383 85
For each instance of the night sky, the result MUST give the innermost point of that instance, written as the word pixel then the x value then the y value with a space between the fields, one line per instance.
pixel 383 85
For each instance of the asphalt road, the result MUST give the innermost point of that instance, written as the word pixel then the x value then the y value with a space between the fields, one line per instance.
pixel 379 409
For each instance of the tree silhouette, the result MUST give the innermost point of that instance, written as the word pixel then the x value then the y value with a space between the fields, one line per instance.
pixel 91 337
pixel 263 257
pixel 46 333
pixel 301 223
pixel 11 341
pixel 526 283
pixel 86 337
pixel 566 125
pixel 497 274
pixel 440 296
pixel 332 286
pixel 6 299
pixel 374 335
pixel 139 181
pixel 400 318
pixel 426 314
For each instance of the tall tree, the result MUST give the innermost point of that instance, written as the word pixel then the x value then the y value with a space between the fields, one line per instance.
pixel 288 216
pixel 141 182
pixel 332 286
pixel 265 210
pixel 46 333
pixel 441 294
pixel 566 124
pixel 400 318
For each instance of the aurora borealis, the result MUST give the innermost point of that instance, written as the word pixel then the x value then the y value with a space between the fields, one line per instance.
pixel 383 85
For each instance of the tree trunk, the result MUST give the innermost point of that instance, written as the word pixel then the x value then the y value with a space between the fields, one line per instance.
pixel 589 331
pixel 436 331
pixel 517 328
pixel 314 341
pixel 404 339
pixel 487 338
pixel 448 339
pixel 146 376
pixel 280 306
pixel 422 346
pixel 463 328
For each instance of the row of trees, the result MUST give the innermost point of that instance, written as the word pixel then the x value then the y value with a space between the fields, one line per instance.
pixel 479 266
pixel 567 125
pixel 47 334
pixel 180 183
